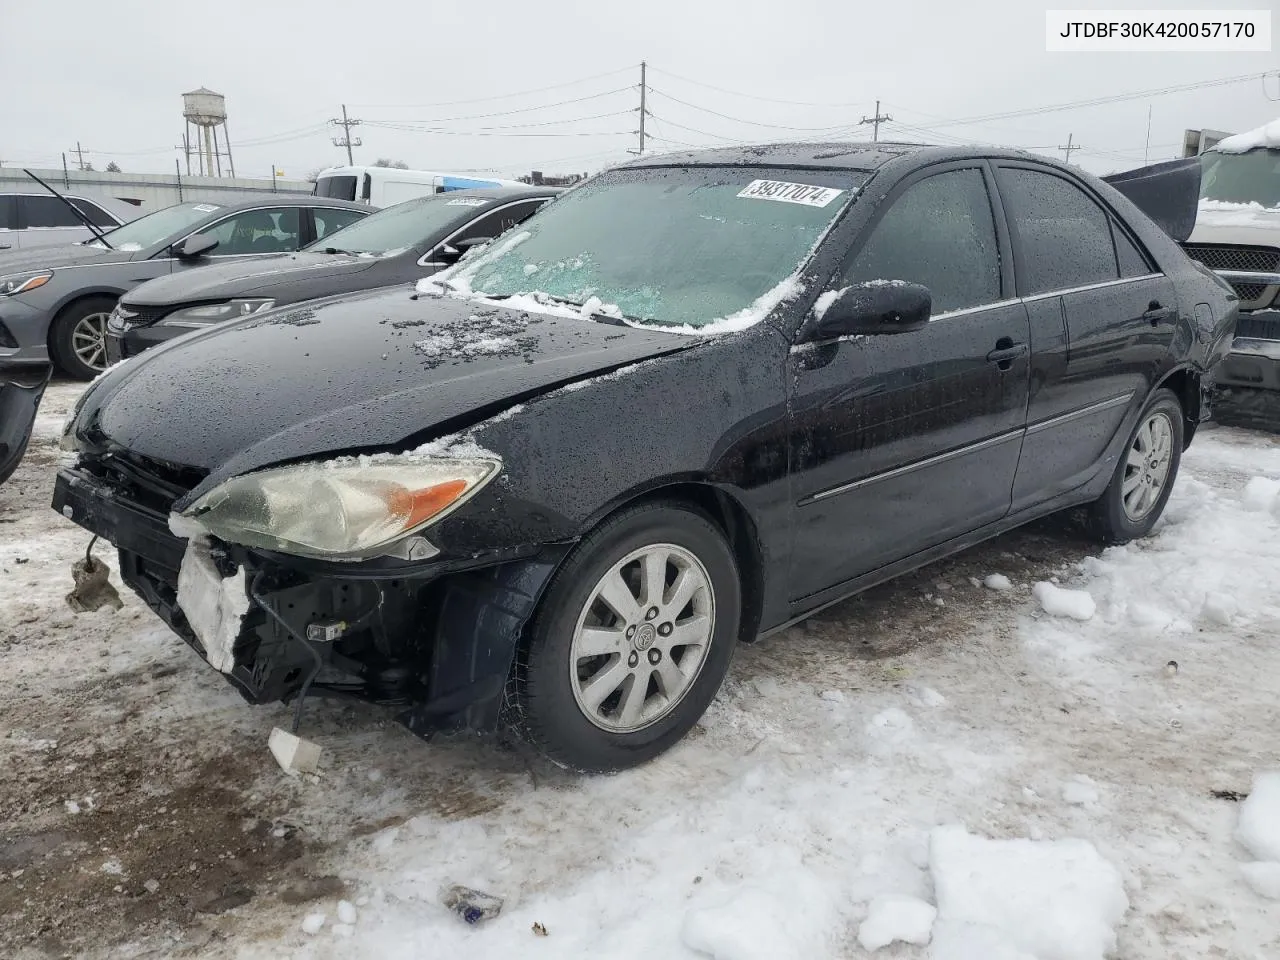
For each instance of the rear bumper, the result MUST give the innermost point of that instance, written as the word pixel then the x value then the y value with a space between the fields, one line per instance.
pixel 436 643
pixel 1251 363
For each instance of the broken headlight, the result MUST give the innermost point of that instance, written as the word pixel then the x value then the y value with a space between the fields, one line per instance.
pixel 202 316
pixel 347 509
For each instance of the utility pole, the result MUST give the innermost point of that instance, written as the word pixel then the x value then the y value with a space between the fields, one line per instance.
pixel 66 177
pixel 875 122
pixel 643 111
pixel 1146 151
pixel 79 156
pixel 1066 151
pixel 345 140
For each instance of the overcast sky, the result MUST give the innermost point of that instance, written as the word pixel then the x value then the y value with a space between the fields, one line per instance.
pixel 111 75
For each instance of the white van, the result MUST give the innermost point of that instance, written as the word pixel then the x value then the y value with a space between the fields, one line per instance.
pixel 385 186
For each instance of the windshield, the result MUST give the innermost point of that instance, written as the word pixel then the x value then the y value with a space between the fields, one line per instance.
pixel 1252 177
pixel 154 227
pixel 692 247
pixel 395 229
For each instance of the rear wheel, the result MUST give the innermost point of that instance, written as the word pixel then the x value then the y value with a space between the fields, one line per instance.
pixel 1144 478
pixel 632 639
pixel 78 339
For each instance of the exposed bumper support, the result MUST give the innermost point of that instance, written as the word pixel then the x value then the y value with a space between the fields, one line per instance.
pixel 436 643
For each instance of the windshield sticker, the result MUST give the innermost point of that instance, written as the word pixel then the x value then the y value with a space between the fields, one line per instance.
pixel 785 192
pixel 205 207
pixel 467 202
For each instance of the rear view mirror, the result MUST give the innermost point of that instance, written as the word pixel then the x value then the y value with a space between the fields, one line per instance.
pixel 196 245
pixel 876 307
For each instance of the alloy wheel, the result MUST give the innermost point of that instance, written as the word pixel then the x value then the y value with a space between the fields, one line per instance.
pixel 1147 466
pixel 642 638
pixel 89 340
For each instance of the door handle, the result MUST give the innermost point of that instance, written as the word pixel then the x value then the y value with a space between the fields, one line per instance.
pixel 1156 313
pixel 1006 352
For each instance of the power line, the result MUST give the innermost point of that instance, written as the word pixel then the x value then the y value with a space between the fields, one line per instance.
pixel 1103 101
pixel 499 96
pixel 396 125
pixel 752 96
pixel 507 113
pixel 875 122
pixel 705 133
pixel 725 116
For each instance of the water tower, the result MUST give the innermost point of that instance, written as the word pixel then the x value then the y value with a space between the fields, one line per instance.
pixel 206 111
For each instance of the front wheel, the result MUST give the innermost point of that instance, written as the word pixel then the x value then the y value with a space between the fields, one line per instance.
pixel 632 639
pixel 1144 478
pixel 78 339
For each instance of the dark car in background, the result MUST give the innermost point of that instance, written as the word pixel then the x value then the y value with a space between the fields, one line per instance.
pixel 54 301
pixel 697 398
pixel 400 244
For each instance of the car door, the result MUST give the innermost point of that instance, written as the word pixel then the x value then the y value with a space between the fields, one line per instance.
pixel 1102 317
pixel 9 222
pixel 902 442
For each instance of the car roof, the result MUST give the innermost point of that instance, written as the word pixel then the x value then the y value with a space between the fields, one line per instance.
pixel 240 201
pixel 501 193
pixel 863 155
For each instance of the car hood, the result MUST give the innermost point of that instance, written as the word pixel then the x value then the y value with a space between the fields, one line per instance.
pixel 1246 223
pixel 258 277
pixel 366 372
pixel 52 257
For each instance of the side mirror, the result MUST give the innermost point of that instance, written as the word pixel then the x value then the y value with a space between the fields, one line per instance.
pixel 196 245
pixel 876 307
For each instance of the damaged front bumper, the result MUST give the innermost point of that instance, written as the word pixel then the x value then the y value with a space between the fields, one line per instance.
pixel 435 639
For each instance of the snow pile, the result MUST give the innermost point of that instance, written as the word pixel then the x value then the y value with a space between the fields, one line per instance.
pixel 1059 602
pixel 1267 135
pixel 894 917
pixel 755 924
pixel 997 581
pixel 1045 900
pixel 1258 831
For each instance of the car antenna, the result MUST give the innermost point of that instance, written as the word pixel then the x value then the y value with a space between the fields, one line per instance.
pixel 101 237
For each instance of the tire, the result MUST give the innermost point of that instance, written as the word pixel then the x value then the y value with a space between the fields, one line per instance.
pixel 67 344
pixel 565 705
pixel 1148 463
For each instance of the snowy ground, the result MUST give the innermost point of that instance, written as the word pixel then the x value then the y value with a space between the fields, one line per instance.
pixel 939 760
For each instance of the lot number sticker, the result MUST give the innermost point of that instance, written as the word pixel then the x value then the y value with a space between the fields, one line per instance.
pixel 467 202
pixel 785 192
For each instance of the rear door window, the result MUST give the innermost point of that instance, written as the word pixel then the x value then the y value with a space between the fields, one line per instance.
pixel 497 222
pixel 1064 237
pixel 1133 263
pixel 940 233
pixel 330 221
pixel 8 212
pixel 336 188
pixel 97 216
pixel 44 212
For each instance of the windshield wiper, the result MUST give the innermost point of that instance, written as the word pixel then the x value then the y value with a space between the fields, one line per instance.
pixel 336 250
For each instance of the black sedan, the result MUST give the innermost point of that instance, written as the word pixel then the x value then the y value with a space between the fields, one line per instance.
pixel 692 401
pixel 398 245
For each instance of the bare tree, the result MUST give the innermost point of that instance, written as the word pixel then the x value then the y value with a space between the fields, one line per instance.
pixel 113 167
pixel 394 164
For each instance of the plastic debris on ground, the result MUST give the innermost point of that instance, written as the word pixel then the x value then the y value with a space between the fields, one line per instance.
pixel 473 906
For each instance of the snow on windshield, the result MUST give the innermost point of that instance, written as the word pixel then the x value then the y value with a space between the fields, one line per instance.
pixel 695 251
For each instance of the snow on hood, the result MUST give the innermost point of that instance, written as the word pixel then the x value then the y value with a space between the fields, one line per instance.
pixel 1267 135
